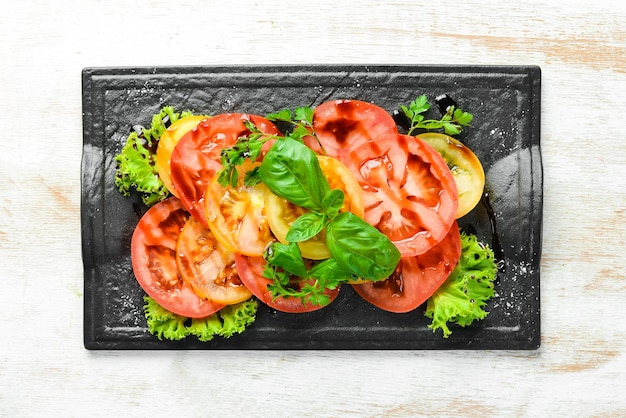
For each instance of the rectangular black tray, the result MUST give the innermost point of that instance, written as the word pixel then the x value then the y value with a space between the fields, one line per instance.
pixel 505 102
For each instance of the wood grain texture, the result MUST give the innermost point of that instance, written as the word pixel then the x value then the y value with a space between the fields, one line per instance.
pixel 580 370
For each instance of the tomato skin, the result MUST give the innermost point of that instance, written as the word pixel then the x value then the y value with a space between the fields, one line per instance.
pixel 196 157
pixel 250 271
pixel 416 278
pixel 207 266
pixel 153 255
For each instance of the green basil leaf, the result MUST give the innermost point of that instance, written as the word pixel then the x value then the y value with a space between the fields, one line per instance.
pixel 331 273
pixel 287 257
pixel 291 170
pixel 306 227
pixel 360 248
pixel 333 202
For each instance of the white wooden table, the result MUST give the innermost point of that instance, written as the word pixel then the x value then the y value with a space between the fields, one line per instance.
pixel 580 369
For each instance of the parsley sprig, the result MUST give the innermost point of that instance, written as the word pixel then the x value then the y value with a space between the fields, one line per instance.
pixel 452 122
pixel 285 262
pixel 250 146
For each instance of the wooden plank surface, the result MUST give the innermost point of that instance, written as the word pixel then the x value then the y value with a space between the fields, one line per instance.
pixel 580 370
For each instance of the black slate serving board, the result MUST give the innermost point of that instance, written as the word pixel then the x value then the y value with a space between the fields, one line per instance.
pixel 505 102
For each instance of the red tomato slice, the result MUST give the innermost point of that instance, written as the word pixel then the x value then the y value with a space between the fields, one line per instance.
pixel 416 278
pixel 409 192
pixel 196 157
pixel 250 271
pixel 153 254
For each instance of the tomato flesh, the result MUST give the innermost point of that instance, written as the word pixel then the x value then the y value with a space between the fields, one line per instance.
pixel 237 216
pixel 410 194
pixel 416 278
pixel 207 266
pixel 196 157
pixel 251 273
pixel 153 255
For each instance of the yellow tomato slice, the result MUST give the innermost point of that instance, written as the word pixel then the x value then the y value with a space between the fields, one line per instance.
pixel 167 142
pixel 282 214
pixel 207 266
pixel 237 217
pixel 466 168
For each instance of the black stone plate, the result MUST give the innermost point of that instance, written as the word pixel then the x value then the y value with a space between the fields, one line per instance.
pixel 505 102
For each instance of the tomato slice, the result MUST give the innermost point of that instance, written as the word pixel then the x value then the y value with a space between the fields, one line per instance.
pixel 153 255
pixel 250 271
pixel 410 194
pixel 281 214
pixel 237 216
pixel 466 168
pixel 416 278
pixel 207 266
pixel 196 157
pixel 167 142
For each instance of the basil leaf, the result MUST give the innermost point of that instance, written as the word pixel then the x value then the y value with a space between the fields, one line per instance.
pixel 306 227
pixel 288 257
pixel 331 273
pixel 360 248
pixel 333 202
pixel 291 170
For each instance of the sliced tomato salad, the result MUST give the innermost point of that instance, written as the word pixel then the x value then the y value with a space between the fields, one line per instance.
pixel 204 248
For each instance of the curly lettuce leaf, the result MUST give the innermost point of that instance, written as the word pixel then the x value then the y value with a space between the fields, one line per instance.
pixel 461 299
pixel 136 162
pixel 162 323
pixel 230 320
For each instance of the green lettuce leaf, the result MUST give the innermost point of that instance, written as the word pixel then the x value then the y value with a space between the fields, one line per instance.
pixel 136 162
pixel 162 323
pixel 230 320
pixel 461 299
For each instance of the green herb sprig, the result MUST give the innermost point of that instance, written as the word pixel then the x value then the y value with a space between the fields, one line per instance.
pixel 452 122
pixel 249 147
